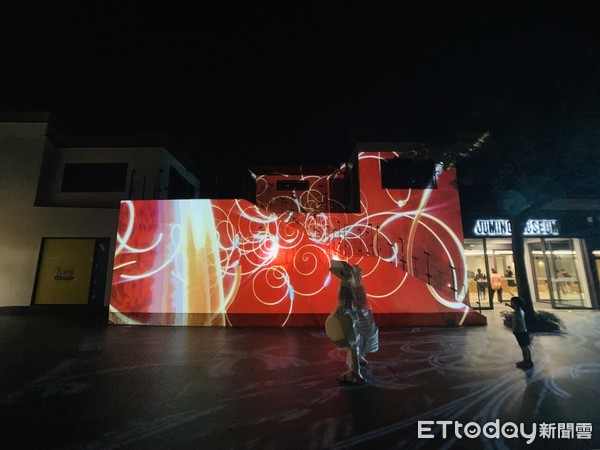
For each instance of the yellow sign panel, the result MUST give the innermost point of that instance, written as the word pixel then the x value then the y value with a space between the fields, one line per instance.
pixel 65 271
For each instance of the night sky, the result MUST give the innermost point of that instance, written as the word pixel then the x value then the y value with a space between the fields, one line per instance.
pixel 282 82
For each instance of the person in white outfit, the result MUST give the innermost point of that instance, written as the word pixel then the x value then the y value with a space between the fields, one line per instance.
pixel 366 328
pixel 351 325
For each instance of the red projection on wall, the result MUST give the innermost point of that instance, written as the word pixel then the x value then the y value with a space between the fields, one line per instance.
pixel 234 263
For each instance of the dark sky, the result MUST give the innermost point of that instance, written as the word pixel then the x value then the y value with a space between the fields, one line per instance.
pixel 277 82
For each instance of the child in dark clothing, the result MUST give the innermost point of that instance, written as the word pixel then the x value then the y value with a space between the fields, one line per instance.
pixel 520 331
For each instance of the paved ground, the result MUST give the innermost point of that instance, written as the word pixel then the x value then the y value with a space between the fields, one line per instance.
pixel 74 382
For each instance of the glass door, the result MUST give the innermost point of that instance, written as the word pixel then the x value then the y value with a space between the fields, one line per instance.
pixel 477 293
pixel 500 257
pixel 483 255
pixel 559 273
pixel 540 272
pixel 566 283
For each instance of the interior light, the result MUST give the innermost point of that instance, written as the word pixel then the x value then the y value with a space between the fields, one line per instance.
pixel 555 252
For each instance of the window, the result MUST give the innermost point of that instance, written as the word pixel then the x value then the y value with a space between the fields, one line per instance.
pixel 405 173
pixel 94 177
pixel 179 187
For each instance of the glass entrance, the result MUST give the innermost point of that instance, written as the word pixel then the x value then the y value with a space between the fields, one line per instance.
pixel 483 255
pixel 559 278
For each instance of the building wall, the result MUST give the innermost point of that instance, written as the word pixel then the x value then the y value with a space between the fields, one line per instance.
pixel 274 196
pixel 21 150
pixel 233 263
pixel 147 175
pixel 22 225
pixel 30 167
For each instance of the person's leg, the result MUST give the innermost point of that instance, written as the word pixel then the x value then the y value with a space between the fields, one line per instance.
pixel 362 326
pixel 362 360
pixel 519 338
pixel 354 365
pixel 527 363
pixel 500 295
pixel 352 375
pixel 526 354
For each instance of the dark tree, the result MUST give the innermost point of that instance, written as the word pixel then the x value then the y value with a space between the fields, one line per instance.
pixel 544 140
pixel 539 100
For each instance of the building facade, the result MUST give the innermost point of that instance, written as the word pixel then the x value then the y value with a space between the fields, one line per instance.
pixel 238 263
pixel 62 196
pixel 561 250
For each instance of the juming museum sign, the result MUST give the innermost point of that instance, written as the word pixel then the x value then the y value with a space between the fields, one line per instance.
pixel 501 227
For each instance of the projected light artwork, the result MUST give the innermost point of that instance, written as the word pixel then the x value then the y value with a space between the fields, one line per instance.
pixel 231 262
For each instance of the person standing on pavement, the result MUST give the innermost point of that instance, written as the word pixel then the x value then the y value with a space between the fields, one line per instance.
pixel 520 331
pixel 365 324
pixel 340 325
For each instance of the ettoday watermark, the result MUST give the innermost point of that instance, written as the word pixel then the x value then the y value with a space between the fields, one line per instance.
pixel 508 430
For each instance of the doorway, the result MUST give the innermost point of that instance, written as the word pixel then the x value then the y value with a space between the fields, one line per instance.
pixel 71 271
pixel 558 275
pixel 485 255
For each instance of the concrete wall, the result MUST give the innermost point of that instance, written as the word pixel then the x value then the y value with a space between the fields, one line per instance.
pixel 30 166
pixel 23 225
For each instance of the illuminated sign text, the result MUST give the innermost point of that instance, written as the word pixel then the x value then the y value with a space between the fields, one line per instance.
pixel 501 227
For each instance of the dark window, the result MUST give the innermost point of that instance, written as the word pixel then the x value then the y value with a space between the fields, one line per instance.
pixel 292 185
pixel 404 173
pixel 179 187
pixel 94 177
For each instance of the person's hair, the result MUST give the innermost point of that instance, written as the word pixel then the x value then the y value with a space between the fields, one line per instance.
pixel 494 270
pixel 518 301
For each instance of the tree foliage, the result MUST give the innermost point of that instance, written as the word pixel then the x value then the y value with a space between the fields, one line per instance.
pixel 540 105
